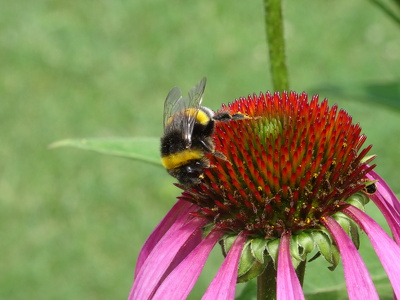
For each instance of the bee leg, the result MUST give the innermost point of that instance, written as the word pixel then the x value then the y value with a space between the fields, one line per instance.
pixel 207 145
pixel 222 116
pixel 240 116
pixel 226 117
pixel 220 155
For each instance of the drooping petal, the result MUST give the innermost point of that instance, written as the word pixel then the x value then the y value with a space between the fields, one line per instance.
pixel 223 285
pixel 385 191
pixel 160 258
pixel 391 217
pixel 388 204
pixel 287 283
pixel 358 281
pixel 386 249
pixel 181 280
pixel 175 218
pixel 192 243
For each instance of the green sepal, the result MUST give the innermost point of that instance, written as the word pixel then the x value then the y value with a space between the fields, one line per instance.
pixel 328 250
pixel 343 222
pixel 349 226
pixel 324 244
pixel 358 200
pixel 273 248
pixel 246 260
pixel 258 247
pixel 354 233
pixel 253 260
pixel 296 251
pixel 335 257
pixel 226 243
pixel 301 245
pixel 256 269
pixel 306 242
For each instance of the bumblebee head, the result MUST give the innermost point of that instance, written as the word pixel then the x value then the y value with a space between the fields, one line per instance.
pixel 191 173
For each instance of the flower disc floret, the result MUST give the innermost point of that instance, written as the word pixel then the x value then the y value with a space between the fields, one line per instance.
pixel 292 162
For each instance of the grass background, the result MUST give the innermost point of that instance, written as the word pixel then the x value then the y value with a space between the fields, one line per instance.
pixel 73 222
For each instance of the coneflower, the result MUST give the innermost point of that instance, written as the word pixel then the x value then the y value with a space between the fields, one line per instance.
pixel 296 178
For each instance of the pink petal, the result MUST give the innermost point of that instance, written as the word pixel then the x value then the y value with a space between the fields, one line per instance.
pixel 287 283
pixel 385 191
pixel 388 204
pixel 386 249
pixel 175 218
pixel 192 243
pixel 223 285
pixel 358 281
pixel 391 217
pixel 181 280
pixel 160 258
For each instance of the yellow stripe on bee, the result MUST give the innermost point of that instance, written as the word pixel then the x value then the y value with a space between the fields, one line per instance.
pixel 176 160
pixel 201 117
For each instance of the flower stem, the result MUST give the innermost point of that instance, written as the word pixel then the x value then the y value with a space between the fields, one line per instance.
pixel 266 283
pixel 274 31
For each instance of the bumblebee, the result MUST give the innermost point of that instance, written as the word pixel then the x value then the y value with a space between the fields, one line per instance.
pixel 188 127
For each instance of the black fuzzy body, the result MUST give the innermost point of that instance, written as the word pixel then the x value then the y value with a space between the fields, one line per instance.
pixel 173 142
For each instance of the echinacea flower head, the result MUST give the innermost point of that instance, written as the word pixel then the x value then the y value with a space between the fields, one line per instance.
pixel 291 178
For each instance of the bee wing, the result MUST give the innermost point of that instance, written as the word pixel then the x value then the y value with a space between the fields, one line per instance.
pixel 173 103
pixel 193 100
pixel 176 116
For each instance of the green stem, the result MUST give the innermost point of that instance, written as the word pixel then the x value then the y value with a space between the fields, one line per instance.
pixel 266 283
pixel 276 43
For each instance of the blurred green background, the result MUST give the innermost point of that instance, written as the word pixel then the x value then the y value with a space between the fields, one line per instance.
pixel 73 222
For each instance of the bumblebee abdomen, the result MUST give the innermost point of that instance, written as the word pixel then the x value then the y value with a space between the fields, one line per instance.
pixel 172 143
pixel 178 159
